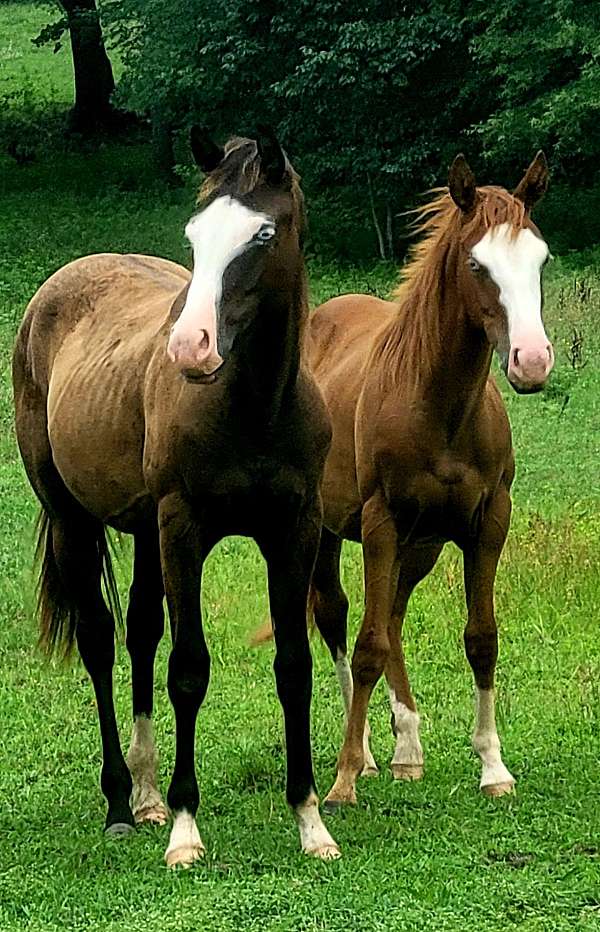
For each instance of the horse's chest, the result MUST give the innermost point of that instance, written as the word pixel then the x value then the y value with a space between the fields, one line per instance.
pixel 443 502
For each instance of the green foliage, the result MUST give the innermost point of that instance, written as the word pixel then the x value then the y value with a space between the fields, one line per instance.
pixel 544 60
pixel 428 856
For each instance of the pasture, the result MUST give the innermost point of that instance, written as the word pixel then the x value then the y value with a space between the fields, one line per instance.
pixel 428 855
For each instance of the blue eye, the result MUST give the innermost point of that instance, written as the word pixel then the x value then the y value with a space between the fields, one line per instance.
pixel 473 264
pixel 265 234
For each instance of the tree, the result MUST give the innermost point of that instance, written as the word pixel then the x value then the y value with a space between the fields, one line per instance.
pixel 93 75
pixel 544 58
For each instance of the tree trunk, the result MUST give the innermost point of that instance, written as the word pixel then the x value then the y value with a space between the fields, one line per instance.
pixel 376 224
pixel 94 82
pixel 162 147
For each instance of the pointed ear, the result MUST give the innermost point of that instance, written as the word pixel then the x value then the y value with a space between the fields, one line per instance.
pixel 534 183
pixel 273 162
pixel 461 184
pixel 207 154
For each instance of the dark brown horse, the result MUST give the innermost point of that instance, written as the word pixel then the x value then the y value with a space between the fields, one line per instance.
pixel 421 451
pixel 179 409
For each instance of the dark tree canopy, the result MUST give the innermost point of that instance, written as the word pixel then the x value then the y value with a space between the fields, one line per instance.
pixel 373 98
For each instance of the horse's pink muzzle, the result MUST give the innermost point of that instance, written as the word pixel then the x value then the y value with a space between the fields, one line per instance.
pixel 529 364
pixel 193 341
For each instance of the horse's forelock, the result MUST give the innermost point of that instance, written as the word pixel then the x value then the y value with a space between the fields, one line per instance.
pixel 240 171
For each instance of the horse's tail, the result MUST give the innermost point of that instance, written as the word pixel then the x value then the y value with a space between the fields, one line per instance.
pixel 57 609
pixel 264 632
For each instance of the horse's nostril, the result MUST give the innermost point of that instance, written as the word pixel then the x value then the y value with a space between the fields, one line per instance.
pixel 515 357
pixel 204 340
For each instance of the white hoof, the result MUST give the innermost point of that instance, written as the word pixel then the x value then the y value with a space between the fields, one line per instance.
pixel 325 853
pixel 314 837
pixel 155 813
pixel 185 844
pixel 407 771
pixel 184 856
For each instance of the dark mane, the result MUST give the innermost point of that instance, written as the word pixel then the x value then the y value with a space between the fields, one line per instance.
pixel 409 345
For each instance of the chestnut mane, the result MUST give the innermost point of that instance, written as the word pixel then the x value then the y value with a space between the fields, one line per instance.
pixel 410 344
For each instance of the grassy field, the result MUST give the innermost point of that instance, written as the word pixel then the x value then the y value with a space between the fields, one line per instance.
pixel 428 856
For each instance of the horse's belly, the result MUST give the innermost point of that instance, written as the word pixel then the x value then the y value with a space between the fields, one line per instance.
pixel 96 432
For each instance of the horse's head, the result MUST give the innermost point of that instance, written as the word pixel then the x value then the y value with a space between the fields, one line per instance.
pixel 501 255
pixel 246 241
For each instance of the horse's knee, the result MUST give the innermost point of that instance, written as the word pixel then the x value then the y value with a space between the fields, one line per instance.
pixel 293 672
pixel 370 656
pixel 330 611
pixel 188 677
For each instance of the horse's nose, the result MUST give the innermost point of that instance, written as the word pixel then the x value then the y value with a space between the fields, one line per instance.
pixel 192 349
pixel 530 365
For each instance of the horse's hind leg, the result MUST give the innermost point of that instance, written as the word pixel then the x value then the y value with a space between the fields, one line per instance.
pixel 330 606
pixel 407 762
pixel 145 624
pixel 481 640
pixel 78 544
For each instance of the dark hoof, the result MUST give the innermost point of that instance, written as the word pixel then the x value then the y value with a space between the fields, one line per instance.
pixel 331 806
pixel 119 830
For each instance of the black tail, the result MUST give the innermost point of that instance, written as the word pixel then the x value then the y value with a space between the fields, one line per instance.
pixel 57 610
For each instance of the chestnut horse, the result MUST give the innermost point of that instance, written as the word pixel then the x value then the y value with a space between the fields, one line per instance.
pixel 421 451
pixel 179 409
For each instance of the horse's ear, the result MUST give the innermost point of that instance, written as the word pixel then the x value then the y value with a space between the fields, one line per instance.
pixel 461 184
pixel 273 162
pixel 207 154
pixel 534 183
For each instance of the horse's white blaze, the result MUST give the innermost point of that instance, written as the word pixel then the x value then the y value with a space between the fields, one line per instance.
pixel 344 675
pixel 514 263
pixel 142 760
pixel 218 234
pixel 486 742
pixel 185 844
pixel 314 837
pixel 408 746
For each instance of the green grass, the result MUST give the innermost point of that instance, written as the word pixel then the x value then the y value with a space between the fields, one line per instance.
pixel 428 856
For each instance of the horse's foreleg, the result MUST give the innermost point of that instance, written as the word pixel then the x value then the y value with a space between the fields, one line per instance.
pixel 330 607
pixel 145 622
pixel 189 666
pixel 481 640
pixel 372 645
pixel 407 762
pixel 290 563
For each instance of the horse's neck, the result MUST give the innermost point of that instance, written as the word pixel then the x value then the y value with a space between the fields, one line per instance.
pixel 268 360
pixel 459 372
pixel 452 383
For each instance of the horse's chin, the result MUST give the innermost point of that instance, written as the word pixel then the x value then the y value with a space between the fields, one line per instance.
pixel 196 377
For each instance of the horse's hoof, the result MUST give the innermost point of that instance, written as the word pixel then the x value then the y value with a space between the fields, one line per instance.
pixel 184 856
pixel 369 770
pixel 119 830
pixel 158 814
pixel 333 804
pixel 498 789
pixel 407 771
pixel 325 853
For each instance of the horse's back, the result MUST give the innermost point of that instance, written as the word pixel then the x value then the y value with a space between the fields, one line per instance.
pixel 79 366
pixel 113 287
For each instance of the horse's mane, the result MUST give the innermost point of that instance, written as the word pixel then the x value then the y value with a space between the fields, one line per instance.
pixel 410 344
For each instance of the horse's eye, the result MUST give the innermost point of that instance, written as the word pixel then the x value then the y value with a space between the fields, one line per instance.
pixel 265 234
pixel 473 264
